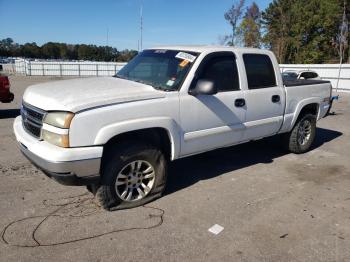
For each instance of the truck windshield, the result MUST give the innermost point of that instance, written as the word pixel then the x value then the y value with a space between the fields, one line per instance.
pixel 162 69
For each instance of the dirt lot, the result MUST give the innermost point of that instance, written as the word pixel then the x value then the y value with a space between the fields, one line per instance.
pixel 273 206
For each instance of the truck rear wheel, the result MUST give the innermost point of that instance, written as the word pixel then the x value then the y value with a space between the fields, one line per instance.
pixel 300 139
pixel 133 175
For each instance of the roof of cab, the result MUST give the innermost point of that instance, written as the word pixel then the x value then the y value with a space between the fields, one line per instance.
pixel 207 48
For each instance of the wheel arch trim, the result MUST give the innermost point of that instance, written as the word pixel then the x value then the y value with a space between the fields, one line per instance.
pixel 110 131
pixel 302 104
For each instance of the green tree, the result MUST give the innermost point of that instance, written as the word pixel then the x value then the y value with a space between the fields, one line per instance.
pixel 303 31
pixel 51 50
pixel 250 27
pixel 8 47
pixel 85 52
pixel 277 21
pixel 126 55
pixel 64 51
pixel 30 50
pixel 72 52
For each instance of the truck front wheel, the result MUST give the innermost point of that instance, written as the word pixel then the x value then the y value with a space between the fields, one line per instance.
pixel 300 139
pixel 133 175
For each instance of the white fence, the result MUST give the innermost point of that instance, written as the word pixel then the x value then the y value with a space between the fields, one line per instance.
pixel 326 72
pixel 43 68
pixel 9 68
pixel 75 68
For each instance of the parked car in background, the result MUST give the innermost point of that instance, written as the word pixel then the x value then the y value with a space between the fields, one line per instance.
pixel 5 95
pixel 117 134
pixel 291 75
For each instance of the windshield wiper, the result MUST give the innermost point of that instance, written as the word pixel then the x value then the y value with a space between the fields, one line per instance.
pixel 117 76
pixel 162 88
pixel 157 87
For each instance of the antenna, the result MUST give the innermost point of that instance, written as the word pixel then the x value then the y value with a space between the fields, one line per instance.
pixel 141 25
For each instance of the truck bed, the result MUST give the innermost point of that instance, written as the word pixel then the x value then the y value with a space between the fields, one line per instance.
pixel 303 92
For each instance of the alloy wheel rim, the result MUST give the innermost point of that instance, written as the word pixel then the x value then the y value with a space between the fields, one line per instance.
pixel 304 132
pixel 135 181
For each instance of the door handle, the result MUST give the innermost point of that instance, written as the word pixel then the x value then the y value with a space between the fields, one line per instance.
pixel 239 102
pixel 276 99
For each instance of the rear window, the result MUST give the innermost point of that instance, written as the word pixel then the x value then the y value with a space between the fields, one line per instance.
pixel 260 71
pixel 308 75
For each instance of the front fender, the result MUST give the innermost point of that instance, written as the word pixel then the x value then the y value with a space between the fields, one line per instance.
pixel 112 130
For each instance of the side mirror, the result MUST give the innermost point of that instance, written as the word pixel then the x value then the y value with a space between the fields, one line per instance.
pixel 204 87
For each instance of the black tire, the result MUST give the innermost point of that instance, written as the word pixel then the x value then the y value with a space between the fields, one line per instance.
pixel 120 157
pixel 291 139
pixel 92 188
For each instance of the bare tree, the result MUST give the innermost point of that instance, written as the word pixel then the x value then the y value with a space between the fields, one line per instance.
pixel 342 41
pixel 232 16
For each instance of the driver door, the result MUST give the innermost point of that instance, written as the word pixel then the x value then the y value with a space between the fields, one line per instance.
pixel 213 121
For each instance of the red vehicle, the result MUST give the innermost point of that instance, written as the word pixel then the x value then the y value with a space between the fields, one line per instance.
pixel 5 95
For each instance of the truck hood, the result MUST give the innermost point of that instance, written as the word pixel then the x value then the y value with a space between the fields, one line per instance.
pixel 79 94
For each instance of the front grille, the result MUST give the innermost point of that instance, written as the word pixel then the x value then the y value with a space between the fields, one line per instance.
pixel 32 119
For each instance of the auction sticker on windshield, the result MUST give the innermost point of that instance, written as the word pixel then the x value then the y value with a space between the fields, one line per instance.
pixel 185 56
pixel 184 63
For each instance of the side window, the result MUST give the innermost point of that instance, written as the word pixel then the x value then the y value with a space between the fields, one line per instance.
pixel 260 71
pixel 308 75
pixel 314 75
pixel 304 75
pixel 223 71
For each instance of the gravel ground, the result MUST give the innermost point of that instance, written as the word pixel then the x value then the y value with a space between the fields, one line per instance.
pixel 273 206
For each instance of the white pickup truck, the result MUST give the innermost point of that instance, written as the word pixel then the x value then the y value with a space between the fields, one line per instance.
pixel 117 134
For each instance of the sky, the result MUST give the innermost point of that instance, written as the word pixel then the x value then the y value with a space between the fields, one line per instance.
pixel 166 22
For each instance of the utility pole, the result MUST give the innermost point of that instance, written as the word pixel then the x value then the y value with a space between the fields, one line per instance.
pixel 107 36
pixel 342 42
pixel 141 25
pixel 107 42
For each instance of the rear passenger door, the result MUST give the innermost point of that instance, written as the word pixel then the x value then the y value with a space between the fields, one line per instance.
pixel 264 97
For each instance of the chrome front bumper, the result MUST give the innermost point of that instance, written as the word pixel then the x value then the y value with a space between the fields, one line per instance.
pixel 74 173
pixel 81 168
pixel 70 166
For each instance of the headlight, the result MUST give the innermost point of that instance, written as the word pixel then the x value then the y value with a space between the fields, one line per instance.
pixel 55 128
pixel 59 119
pixel 56 139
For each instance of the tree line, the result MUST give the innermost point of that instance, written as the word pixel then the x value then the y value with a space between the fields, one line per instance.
pixel 51 50
pixel 297 31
